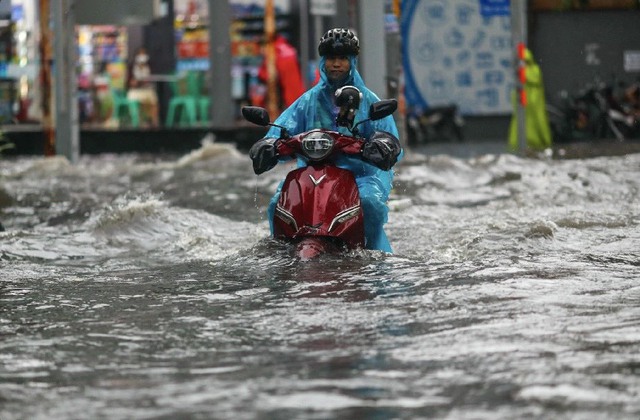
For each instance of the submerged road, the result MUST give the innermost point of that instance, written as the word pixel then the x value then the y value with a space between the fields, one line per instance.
pixel 140 286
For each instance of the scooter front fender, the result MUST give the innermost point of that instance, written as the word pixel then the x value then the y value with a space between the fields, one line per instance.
pixel 320 201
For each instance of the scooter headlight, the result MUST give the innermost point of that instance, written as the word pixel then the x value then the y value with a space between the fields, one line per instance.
pixel 317 145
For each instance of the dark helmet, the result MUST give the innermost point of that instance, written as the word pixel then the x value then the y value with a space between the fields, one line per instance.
pixel 339 41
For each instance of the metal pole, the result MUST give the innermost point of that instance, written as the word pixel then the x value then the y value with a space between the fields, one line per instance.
pixel 519 38
pixel 66 121
pixel 402 104
pixel 372 37
pixel 304 41
pixel 319 31
pixel 46 55
pixel 222 114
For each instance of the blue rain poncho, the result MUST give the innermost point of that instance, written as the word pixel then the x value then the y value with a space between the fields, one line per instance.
pixel 316 109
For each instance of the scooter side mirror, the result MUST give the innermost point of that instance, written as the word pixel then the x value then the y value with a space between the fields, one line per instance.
pixel 256 115
pixel 379 110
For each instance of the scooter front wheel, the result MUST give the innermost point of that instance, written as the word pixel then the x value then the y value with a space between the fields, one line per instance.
pixel 312 247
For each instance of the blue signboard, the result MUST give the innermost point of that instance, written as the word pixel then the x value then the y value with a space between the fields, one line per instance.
pixel 494 8
pixel 452 53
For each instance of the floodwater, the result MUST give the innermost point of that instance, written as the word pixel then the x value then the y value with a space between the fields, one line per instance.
pixel 146 287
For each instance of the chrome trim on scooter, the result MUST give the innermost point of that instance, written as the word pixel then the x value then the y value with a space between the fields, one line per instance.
pixel 344 215
pixel 286 217
pixel 317 182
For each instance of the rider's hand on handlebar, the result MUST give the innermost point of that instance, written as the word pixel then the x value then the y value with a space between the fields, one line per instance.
pixel 382 150
pixel 264 155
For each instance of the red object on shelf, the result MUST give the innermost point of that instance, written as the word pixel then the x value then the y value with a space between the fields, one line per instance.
pixel 193 49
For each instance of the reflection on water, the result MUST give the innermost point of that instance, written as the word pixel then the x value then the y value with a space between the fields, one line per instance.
pixel 146 287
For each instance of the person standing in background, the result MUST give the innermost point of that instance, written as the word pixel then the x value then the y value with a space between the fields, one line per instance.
pixel 537 124
pixel 290 82
pixel 141 89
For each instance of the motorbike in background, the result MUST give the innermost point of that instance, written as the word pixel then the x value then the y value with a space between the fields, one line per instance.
pixel 438 123
pixel 624 116
pixel 595 112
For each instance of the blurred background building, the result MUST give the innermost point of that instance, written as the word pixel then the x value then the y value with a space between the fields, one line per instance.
pixel 435 52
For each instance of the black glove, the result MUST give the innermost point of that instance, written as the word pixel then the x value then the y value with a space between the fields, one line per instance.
pixel 264 155
pixel 382 149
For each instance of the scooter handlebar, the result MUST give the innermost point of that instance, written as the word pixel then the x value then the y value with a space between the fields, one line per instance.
pixel 342 144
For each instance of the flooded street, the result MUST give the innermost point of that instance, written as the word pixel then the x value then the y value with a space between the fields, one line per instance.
pixel 146 287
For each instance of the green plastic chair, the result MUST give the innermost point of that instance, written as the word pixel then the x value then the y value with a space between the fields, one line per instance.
pixel 203 100
pixel 124 109
pixel 189 105
pixel 184 102
pixel 204 104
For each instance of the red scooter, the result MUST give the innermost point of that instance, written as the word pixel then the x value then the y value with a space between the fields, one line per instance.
pixel 319 206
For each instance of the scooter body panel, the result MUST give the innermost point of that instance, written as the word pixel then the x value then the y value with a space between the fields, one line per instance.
pixel 320 201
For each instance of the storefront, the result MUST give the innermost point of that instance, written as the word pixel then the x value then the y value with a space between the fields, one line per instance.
pixel 18 55
pixel 105 52
pixel 102 58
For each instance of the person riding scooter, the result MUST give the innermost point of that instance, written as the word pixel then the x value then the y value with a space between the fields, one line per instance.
pixel 316 108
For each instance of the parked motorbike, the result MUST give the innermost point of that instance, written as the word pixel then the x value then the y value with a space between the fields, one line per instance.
pixel 593 113
pixel 577 117
pixel 319 206
pixel 438 123
pixel 622 122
